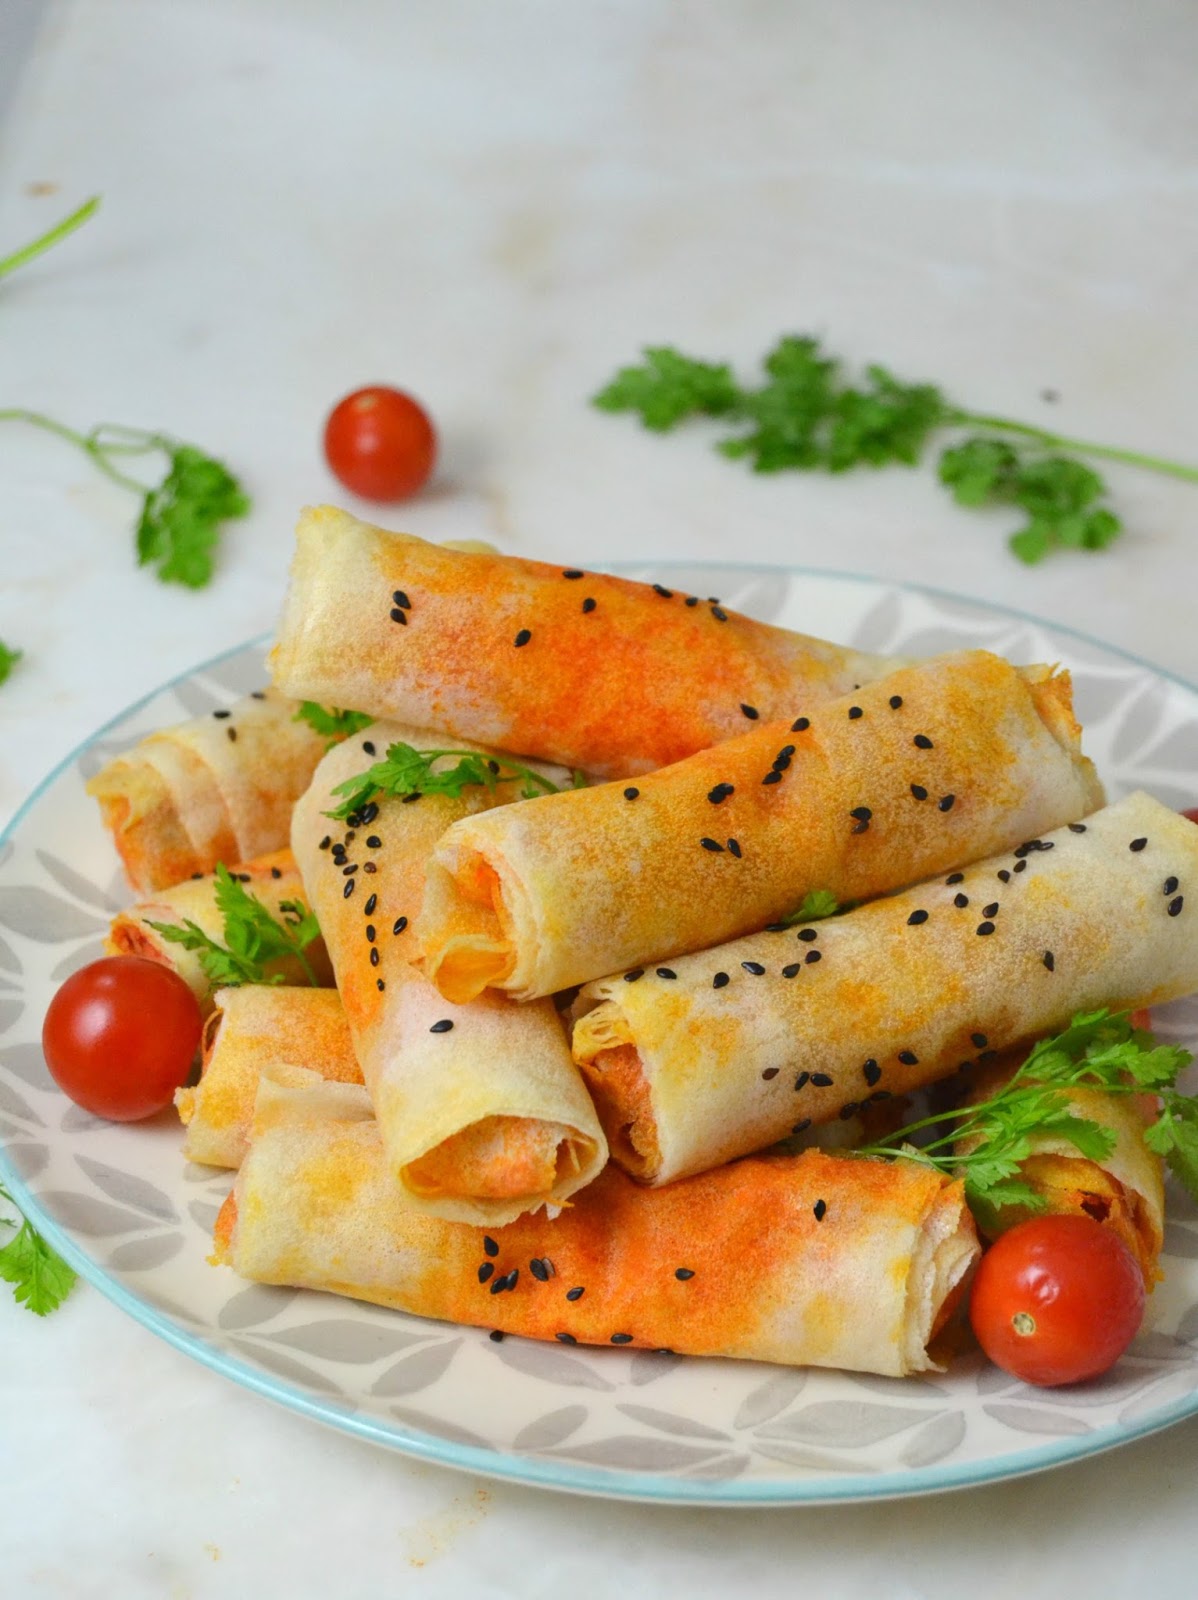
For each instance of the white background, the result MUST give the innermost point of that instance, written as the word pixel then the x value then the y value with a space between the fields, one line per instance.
pixel 495 204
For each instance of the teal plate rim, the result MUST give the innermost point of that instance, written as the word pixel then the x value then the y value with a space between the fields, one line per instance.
pixel 647 1488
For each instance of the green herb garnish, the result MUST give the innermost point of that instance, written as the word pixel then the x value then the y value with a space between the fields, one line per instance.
pixel 334 725
pixel 8 660
pixel 806 416
pixel 994 1137
pixel 814 907
pixel 77 218
pixel 39 1276
pixel 405 771
pixel 253 937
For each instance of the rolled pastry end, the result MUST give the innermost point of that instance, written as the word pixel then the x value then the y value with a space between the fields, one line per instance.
pixel 946 1248
pixel 502 1158
pixel 138 811
pixel 612 1071
pixel 463 930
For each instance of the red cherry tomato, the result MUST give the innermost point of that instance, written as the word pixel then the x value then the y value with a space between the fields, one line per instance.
pixel 1057 1300
pixel 1192 813
pixel 120 1037
pixel 380 443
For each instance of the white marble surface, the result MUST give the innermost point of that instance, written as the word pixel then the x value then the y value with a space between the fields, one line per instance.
pixel 495 205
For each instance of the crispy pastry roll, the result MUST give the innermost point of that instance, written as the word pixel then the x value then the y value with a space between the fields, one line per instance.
pixel 273 879
pixel 483 1113
pixel 720 1053
pixel 248 1029
pixel 808 1260
pixel 218 788
pixel 935 765
pixel 595 672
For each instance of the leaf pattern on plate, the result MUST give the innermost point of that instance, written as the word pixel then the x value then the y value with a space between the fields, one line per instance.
pixel 9 960
pixel 633 1453
pixel 82 956
pixel 1035 1419
pixel 15 1105
pixel 439 1427
pixel 128 1189
pixel 417 1371
pixel 38 914
pixel 769 1398
pixel 667 1422
pixel 10 1012
pixel 28 1063
pixel 550 1365
pixel 647 1366
pixel 249 1308
pixel 261 1354
pixel 94 1219
pixel 934 1441
pixel 343 1339
pixel 848 1423
pixel 76 884
pixel 554 1428
pixel 143 1255
pixel 29 1159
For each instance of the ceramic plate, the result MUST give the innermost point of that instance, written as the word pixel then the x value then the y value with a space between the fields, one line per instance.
pixel 136 1221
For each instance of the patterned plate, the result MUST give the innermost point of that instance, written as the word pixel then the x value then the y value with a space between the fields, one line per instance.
pixel 122 1207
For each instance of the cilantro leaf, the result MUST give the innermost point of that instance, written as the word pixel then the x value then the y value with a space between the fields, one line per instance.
pixel 254 939
pixel 41 1279
pixel 8 660
pixel 334 725
pixel 406 770
pixel 670 387
pixel 814 907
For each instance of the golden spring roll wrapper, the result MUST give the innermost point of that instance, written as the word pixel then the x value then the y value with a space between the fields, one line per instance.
pixel 248 1029
pixel 482 1110
pixel 499 649
pixel 217 788
pixel 860 1285
pixel 708 1058
pixel 272 879
pixel 594 880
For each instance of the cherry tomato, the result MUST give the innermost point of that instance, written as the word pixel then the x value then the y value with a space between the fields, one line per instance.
pixel 120 1037
pixel 1057 1300
pixel 1192 813
pixel 380 443
pixel 1141 1019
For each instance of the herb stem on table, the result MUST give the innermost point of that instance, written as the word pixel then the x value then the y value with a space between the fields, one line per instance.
pixel 47 240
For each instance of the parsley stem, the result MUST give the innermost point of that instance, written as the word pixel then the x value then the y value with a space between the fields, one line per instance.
pixel 1057 441
pixel 313 981
pixel 90 444
pixel 59 231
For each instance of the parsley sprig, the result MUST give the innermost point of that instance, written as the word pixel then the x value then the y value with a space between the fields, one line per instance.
pixel 45 241
pixel 805 415
pixel 254 939
pixel 8 660
pixel 407 771
pixel 334 725
pixel 39 1276
pixel 814 907
pixel 987 1143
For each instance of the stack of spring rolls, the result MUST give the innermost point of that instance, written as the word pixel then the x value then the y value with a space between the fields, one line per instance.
pixel 571 1024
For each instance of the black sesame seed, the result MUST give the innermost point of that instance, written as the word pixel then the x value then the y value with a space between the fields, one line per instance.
pixel 801 1082
pixel 493 765
pixel 771 1072
pixel 374 956
pixel 713 599
pixel 793 970
pixel 486 1271
pixel 571 572
pixel 630 793
pixel 754 967
pixel 784 755
pixel 1049 961
pixel 368 746
pixel 807 935
pixel 720 792
pixel 849 1109
pixel 496 1336
pixel 896 701
pixel 908 1058
pixel 1170 886
pixel 276 872
pixel 666 594
pixel 402 600
pixel 409 798
pixel 683 1274
pixel 880 1094
pixel 712 844
pixel 576 1293
pixel 369 867
pixel 918 790
pixel 922 742
pixel 398 616
pixel 855 712
pixel 986 1056
pixel 196 876
pixel 750 711
pixel 1077 827
pixel 772 777
pixel 348 872
pixel 862 813
pixel 800 725
pixel 565 1338
pixel 588 604
pixel 369 812
pixel 800 1127
pixel 220 715
pixel 720 616
pixel 444 1026
pixel 368 908
pixel 257 694
pixel 1021 866
pixel 991 910
pixel 231 733
pixel 872 1073
pixel 399 925
pixel 820 1210
pixel 1003 876
pixel 1175 906
pixel 325 842
pixel 720 981
pixel 776 927
pixel 1137 845
pixel 348 890
pixel 979 1041
pixel 370 933
pixel 821 1080
pixel 692 599
pixel 960 901
pixel 734 848
pixel 539 1270
pixel 522 637
pixel 666 972
pixel 984 928
pixel 373 842
pixel 812 957
pixel 621 1338
pixel 490 1245
pixel 631 977
pixel 380 985
pixel 954 877
pixel 916 917
pixel 946 801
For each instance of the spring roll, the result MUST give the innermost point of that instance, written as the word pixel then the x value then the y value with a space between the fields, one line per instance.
pixel 935 765
pixel 248 1029
pixel 721 1053
pixel 595 672
pixel 218 788
pixel 273 879
pixel 482 1111
pixel 808 1260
